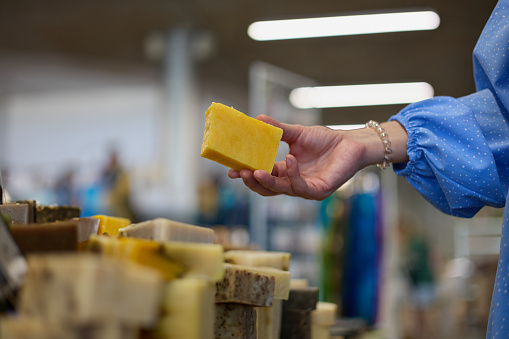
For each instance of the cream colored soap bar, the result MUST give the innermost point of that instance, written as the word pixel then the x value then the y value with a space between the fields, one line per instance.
pixel 238 141
pixel 235 321
pixel 21 327
pixel 279 260
pixel 243 285
pixel 89 288
pixel 188 310
pixel 161 229
pixel 172 259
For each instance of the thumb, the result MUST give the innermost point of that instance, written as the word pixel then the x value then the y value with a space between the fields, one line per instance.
pixel 289 131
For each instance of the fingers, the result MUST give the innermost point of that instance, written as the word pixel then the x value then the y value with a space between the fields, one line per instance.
pixel 233 174
pixel 253 184
pixel 299 185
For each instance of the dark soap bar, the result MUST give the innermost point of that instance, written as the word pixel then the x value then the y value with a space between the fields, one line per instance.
pixel 295 324
pixel 46 237
pixel 302 298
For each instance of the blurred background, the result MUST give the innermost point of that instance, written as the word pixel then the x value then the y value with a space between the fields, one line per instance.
pixel 102 105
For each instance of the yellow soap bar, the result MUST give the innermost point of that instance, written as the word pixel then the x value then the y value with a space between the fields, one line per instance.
pixel 111 225
pixel 238 141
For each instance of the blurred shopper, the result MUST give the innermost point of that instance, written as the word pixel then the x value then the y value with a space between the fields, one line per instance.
pixel 116 184
pixel 455 152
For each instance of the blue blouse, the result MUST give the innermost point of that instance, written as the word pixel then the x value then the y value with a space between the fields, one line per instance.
pixel 458 149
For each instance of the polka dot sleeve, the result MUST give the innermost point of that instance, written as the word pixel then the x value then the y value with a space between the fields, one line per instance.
pixel 450 162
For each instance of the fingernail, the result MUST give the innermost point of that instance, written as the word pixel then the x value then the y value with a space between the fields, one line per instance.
pixel 288 161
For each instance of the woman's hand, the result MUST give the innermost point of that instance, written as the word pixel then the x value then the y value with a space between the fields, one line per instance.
pixel 319 161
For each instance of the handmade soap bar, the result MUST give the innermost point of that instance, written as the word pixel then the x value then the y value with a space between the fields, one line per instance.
pixel 324 314
pixel 86 228
pixel 46 237
pixel 238 141
pixel 44 214
pixel 282 278
pixel 17 213
pixel 279 260
pixel 302 299
pixel 145 252
pixel 200 260
pixel 235 321
pixel 172 259
pixel 243 285
pixel 188 310
pixel 89 288
pixel 22 327
pixel 322 319
pixel 168 230
pixel 110 225
pixel 296 324
pixel 268 320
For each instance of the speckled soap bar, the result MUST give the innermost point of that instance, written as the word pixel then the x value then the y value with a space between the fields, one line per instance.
pixel 235 321
pixel 243 285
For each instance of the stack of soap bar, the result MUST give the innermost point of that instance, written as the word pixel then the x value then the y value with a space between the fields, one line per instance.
pixel 110 225
pixel 235 321
pixel 17 213
pixel 242 285
pixel 188 310
pixel 322 319
pixel 168 230
pixel 46 237
pixel 86 289
pixel 45 214
pixel 238 141
pixel 296 319
pixel 268 318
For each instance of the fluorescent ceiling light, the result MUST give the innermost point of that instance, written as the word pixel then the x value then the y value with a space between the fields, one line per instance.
pixel 343 25
pixel 360 95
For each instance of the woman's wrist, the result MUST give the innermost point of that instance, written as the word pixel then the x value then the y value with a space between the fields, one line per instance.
pixel 374 148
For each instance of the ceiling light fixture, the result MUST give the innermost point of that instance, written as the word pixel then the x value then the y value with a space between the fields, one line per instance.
pixel 343 25
pixel 360 95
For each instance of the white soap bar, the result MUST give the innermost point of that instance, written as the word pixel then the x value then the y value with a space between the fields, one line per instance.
pixel 188 310
pixel 279 260
pixel 324 314
pixel 161 229
pixel 201 260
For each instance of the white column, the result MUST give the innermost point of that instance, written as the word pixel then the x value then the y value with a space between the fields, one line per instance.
pixel 179 128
